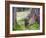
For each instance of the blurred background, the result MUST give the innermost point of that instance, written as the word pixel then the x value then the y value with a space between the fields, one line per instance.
pixel 26 18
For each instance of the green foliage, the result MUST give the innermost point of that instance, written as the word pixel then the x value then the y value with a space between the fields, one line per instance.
pixel 19 27
pixel 34 26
